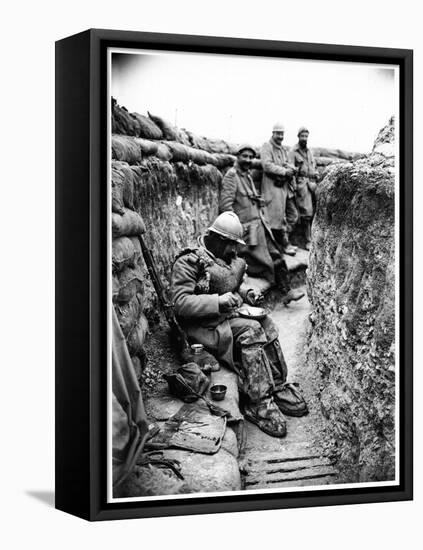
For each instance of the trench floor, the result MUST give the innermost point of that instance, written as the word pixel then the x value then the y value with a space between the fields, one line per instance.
pixel 299 459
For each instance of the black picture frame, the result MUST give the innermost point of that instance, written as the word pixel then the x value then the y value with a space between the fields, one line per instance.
pixel 81 271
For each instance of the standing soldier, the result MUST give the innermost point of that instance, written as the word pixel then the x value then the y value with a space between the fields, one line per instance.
pixel 278 174
pixel 261 252
pixel 307 175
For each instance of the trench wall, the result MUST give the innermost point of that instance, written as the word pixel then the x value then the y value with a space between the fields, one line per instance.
pixel 351 286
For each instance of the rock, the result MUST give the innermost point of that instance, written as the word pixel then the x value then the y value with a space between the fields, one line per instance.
pixel 151 481
pixel 351 286
pixel 208 473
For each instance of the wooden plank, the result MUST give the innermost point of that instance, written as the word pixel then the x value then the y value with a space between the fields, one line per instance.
pixel 305 473
pixel 287 465
pixel 324 480
pixel 294 451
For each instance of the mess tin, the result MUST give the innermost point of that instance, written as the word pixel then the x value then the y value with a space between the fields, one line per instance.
pixel 218 392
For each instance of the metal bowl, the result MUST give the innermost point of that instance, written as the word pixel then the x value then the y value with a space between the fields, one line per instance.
pixel 251 312
pixel 218 392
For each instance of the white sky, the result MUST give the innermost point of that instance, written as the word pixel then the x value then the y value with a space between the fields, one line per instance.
pixel 239 98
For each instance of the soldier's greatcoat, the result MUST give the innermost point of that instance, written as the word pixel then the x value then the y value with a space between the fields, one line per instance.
pixel 238 194
pixel 274 188
pixel 303 159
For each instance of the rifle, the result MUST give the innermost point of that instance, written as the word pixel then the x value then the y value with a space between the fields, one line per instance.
pixel 167 307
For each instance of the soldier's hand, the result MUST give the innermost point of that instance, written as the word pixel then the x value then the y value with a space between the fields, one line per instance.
pixel 228 302
pixel 254 298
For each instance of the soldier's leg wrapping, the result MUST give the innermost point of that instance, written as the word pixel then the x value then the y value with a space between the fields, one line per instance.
pixel 255 374
pixel 274 353
pixel 286 395
pixel 291 214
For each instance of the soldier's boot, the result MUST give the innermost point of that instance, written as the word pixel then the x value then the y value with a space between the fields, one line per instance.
pixel 283 284
pixel 289 250
pixel 267 416
pixel 290 400
pixel 286 395
pixel 293 295
pixel 277 361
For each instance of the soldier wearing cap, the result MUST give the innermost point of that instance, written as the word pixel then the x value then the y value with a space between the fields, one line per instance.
pixel 307 174
pixel 207 288
pixel 239 194
pixel 277 184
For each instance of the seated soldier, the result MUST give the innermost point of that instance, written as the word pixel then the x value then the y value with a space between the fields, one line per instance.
pixel 207 288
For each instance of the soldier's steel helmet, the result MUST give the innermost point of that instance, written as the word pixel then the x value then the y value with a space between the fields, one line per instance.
pixel 228 225
pixel 278 127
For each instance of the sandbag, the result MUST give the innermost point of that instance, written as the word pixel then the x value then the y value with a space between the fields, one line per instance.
pixel 136 337
pixel 169 131
pixel 126 149
pixel 222 160
pixel 122 187
pixel 128 224
pixel 122 121
pixel 210 145
pixel 201 157
pixel 128 314
pixel 212 174
pixel 335 153
pixel 147 147
pixel 324 161
pixel 163 152
pixel 126 252
pixel 127 284
pixel 198 156
pixel 209 158
pixel 147 128
pixel 117 188
pixel 183 137
pixel 180 153
pixel 139 176
pixel 151 480
pixel 197 141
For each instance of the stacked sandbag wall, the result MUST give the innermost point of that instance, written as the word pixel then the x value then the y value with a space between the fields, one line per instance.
pixel 351 286
pixel 128 279
pixel 174 189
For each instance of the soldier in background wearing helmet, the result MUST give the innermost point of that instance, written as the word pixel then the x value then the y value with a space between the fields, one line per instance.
pixel 239 194
pixel 277 185
pixel 207 288
pixel 303 159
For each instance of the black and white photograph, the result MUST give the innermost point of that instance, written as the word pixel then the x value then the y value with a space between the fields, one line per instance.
pixel 253 275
